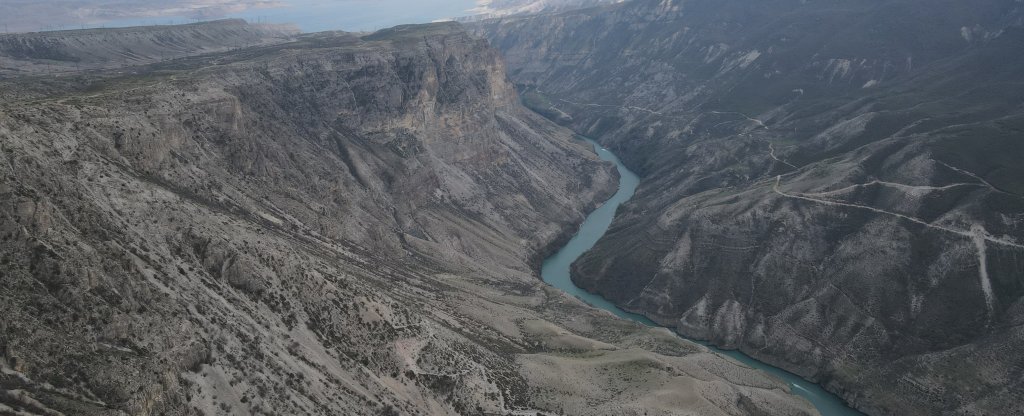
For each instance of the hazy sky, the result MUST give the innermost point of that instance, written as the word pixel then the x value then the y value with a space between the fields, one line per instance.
pixel 310 15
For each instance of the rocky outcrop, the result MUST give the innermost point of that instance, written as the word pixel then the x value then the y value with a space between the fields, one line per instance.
pixel 334 225
pixel 831 189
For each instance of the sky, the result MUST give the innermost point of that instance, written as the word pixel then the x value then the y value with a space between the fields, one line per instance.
pixel 309 15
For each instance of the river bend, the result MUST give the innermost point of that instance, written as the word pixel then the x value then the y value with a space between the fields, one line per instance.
pixel 555 271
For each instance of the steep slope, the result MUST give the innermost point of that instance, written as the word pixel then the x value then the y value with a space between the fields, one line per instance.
pixel 832 187
pixel 75 50
pixel 336 225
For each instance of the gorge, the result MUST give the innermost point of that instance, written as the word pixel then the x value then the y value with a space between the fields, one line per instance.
pixel 829 187
pixel 785 207
pixel 324 223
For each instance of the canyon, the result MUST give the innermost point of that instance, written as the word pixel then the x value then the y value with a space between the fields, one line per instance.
pixel 327 223
pixel 236 218
pixel 830 187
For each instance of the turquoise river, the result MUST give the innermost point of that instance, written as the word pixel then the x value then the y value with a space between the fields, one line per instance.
pixel 555 271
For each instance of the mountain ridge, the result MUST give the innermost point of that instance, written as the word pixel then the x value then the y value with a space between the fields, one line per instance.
pixel 70 51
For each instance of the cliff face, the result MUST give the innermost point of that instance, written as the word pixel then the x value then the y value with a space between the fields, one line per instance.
pixel 334 225
pixel 832 187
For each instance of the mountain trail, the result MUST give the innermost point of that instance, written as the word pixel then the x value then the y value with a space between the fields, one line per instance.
pixel 966 234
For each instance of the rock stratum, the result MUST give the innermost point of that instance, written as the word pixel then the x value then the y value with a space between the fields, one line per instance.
pixel 329 225
pixel 831 187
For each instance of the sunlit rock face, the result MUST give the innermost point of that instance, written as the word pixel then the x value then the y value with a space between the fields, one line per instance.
pixel 331 224
pixel 833 188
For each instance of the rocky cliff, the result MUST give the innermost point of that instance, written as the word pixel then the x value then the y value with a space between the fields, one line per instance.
pixel 333 225
pixel 832 187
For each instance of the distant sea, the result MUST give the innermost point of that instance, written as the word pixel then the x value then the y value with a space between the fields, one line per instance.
pixel 321 15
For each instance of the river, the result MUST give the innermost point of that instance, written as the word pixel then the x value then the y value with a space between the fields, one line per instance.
pixel 555 271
